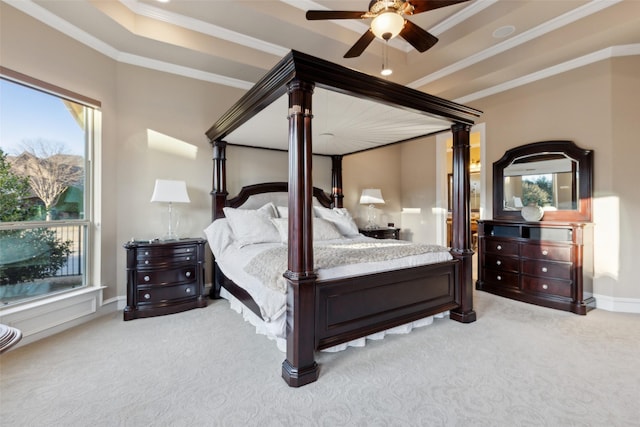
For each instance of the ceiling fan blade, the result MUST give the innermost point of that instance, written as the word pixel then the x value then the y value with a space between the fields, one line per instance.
pixel 420 6
pixel 314 15
pixel 361 45
pixel 417 37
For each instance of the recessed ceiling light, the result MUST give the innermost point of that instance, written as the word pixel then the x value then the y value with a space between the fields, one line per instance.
pixel 504 31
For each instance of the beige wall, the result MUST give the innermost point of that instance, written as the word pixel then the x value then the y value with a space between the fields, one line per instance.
pixel 595 106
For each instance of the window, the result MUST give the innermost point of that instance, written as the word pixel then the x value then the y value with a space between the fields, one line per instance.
pixel 46 140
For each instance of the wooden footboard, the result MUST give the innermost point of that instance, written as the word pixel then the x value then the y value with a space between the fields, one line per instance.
pixel 352 308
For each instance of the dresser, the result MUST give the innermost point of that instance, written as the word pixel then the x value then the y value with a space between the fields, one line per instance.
pixel 381 233
pixel 544 263
pixel 164 277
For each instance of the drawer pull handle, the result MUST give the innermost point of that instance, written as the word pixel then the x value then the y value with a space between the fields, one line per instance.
pixel 498 262
pixel 499 247
pixel 146 262
pixel 544 269
pixel 188 290
pixel 545 286
pixel 147 296
pixel 499 277
pixel 188 258
pixel 147 278
pixel 188 274
pixel 545 252
pixel 146 253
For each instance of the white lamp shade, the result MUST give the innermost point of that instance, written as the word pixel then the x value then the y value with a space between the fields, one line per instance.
pixel 387 25
pixel 170 191
pixel 371 196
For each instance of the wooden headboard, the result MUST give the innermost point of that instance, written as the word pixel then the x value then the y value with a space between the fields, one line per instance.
pixel 243 199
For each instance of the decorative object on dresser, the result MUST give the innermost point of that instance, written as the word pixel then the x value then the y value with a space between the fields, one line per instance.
pixel 164 277
pixel 371 197
pixel 547 259
pixel 381 233
pixel 170 191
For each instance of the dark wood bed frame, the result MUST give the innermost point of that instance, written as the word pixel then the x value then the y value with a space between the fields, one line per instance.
pixel 327 313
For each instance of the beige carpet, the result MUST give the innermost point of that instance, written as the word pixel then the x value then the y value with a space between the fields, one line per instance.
pixel 518 365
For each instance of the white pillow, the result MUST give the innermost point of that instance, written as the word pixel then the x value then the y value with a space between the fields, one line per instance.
pixel 253 225
pixel 219 236
pixel 322 230
pixel 341 218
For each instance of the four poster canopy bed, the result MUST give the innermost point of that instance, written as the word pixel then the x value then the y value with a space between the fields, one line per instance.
pixel 315 302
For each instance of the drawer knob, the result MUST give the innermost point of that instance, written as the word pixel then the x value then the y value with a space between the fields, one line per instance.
pixel 545 252
pixel 545 286
pixel 499 247
pixel 544 269
pixel 188 274
pixel 146 253
pixel 147 278
pixel 146 262
pixel 188 258
pixel 188 290
pixel 498 262
pixel 147 296
pixel 499 277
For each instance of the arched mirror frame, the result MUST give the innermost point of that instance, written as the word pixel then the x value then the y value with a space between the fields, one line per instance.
pixel 584 175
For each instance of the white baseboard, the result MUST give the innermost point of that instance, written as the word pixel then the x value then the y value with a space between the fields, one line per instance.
pixel 43 318
pixel 622 305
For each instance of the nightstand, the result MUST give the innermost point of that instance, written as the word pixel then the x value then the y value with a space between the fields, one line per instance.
pixel 381 233
pixel 164 277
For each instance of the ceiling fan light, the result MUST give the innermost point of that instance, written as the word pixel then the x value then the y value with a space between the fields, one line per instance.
pixel 387 25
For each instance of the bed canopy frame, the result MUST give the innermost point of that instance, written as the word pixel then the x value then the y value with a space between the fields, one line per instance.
pixel 297 75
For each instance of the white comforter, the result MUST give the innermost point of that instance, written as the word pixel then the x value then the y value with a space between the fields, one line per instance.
pixel 235 263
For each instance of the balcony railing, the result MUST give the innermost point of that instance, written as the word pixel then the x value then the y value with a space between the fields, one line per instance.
pixel 32 263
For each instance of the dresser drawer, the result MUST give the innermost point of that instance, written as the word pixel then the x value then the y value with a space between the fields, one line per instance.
pixel 562 288
pixel 550 252
pixel 501 263
pixel 155 257
pixel 166 277
pixel 558 270
pixel 165 293
pixel 501 278
pixel 500 247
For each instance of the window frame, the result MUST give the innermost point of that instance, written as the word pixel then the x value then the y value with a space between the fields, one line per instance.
pixel 92 138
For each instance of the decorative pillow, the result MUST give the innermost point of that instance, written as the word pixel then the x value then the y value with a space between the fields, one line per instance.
pixel 341 218
pixel 253 225
pixel 219 235
pixel 322 229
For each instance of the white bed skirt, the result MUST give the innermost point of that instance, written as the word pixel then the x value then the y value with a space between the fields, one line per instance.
pixel 276 330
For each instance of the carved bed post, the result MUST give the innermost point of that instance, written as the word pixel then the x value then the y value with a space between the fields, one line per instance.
pixel 461 223
pixel 300 368
pixel 219 193
pixel 336 181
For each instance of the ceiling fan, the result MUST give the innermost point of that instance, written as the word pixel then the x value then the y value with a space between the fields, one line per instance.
pixel 388 22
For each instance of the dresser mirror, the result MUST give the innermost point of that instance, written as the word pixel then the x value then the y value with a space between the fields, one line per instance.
pixel 555 175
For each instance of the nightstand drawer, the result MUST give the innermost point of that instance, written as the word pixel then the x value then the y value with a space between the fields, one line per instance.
pixel 560 288
pixel 166 277
pixel 381 233
pixel 166 293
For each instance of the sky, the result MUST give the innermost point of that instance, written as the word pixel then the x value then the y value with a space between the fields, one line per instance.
pixel 29 115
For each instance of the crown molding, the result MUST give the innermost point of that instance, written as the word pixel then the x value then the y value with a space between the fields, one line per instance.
pixel 542 29
pixel 600 55
pixel 199 26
